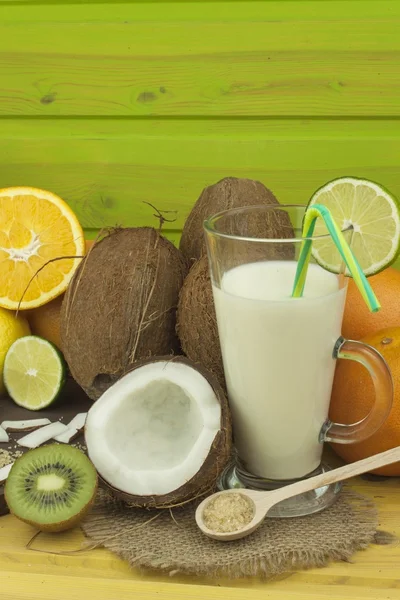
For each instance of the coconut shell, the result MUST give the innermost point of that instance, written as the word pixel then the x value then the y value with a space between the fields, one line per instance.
pixel 121 306
pixel 230 192
pixel 215 462
pixel 197 321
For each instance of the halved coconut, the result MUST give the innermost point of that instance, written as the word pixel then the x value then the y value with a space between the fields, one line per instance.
pixel 160 435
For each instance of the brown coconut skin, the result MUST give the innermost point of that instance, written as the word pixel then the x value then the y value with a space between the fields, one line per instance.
pixel 218 457
pixel 121 306
pixel 197 322
pixel 230 192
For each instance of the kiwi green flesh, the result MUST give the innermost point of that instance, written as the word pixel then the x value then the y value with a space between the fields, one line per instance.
pixel 50 486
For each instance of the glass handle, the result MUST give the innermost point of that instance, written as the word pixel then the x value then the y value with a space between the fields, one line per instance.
pixel 377 367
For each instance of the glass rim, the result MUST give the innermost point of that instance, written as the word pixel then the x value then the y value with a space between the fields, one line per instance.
pixel 208 225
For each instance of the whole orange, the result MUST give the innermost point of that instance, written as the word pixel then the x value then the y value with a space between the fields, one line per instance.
pixel 358 321
pixel 45 320
pixel 353 396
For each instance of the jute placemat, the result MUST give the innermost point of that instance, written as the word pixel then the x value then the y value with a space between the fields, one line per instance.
pixel 169 540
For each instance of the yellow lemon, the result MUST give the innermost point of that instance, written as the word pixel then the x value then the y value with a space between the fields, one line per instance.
pixel 11 328
pixel 37 230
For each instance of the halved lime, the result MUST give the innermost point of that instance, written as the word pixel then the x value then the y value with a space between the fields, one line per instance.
pixel 374 216
pixel 34 372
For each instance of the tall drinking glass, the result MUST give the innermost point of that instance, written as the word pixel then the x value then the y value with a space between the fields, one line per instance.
pixel 279 352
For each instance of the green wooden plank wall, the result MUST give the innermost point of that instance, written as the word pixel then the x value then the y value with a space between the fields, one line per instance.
pixel 111 104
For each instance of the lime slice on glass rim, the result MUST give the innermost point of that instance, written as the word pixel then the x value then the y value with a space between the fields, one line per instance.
pixel 34 372
pixel 374 215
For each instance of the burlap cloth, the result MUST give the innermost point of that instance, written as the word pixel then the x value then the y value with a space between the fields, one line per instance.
pixel 170 541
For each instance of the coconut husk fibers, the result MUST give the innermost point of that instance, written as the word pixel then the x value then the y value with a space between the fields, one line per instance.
pixel 215 462
pixel 172 543
pixel 230 192
pixel 121 306
pixel 197 322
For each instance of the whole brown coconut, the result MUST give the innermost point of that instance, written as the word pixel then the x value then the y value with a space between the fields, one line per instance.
pixel 196 320
pixel 230 192
pixel 121 306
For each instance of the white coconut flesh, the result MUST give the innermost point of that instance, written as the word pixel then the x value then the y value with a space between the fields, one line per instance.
pixel 151 431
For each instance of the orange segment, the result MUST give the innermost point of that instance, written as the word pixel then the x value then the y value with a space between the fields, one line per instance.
pixel 19 236
pixel 36 227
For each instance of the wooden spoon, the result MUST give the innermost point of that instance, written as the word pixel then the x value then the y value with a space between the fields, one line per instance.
pixel 262 502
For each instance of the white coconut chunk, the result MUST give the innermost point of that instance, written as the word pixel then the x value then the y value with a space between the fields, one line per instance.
pixel 66 436
pixel 42 435
pixel 78 422
pixel 4 435
pixel 25 425
pixel 74 427
pixel 4 472
pixel 151 431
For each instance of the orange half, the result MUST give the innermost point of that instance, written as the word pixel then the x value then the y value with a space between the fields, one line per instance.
pixel 36 227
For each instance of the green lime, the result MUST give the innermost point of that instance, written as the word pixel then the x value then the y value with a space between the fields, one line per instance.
pixel 34 372
pixel 374 217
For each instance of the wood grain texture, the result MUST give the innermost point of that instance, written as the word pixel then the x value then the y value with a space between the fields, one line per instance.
pixel 100 575
pixel 199 58
pixel 108 169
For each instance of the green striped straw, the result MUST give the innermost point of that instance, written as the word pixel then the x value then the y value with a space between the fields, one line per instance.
pixel 315 211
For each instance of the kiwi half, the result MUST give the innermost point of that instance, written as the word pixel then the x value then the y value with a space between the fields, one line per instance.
pixel 52 487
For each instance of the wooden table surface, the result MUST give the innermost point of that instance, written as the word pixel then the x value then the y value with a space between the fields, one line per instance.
pixel 100 575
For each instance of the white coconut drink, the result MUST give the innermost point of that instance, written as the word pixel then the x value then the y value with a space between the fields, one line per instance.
pixel 160 435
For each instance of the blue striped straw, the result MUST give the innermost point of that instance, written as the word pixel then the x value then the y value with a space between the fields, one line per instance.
pixel 315 211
